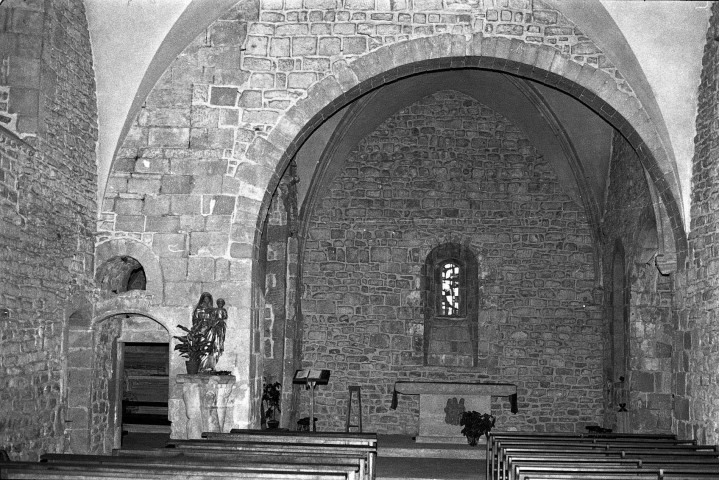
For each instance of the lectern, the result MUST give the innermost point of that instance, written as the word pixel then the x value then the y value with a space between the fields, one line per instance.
pixel 312 378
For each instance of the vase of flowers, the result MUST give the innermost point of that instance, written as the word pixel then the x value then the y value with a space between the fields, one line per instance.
pixel 475 425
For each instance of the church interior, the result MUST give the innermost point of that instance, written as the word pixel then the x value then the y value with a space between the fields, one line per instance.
pixel 511 193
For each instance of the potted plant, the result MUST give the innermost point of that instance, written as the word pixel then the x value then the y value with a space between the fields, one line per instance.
pixel 194 346
pixel 475 425
pixel 271 403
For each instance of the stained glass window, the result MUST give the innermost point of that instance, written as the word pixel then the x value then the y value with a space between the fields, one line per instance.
pixel 449 299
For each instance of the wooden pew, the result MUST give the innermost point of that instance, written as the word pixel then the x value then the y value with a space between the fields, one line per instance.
pixel 179 457
pixel 646 455
pixel 367 453
pixel 365 441
pixel 354 438
pixel 90 471
pixel 508 454
pixel 517 462
pixel 493 438
pixel 595 476
pixel 249 455
pixel 592 472
pixel 499 444
pixel 348 466
pixel 632 449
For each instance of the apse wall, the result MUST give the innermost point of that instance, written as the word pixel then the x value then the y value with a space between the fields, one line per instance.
pixel 449 170
pixel 47 215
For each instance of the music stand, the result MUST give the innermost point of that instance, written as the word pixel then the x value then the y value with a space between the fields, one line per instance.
pixel 311 378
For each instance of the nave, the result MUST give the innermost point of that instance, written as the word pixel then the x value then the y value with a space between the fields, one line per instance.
pixel 264 455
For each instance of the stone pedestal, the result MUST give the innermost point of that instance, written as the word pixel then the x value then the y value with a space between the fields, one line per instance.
pixel 205 398
pixel 440 404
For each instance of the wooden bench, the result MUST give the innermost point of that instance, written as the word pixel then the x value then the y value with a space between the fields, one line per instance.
pixel 350 438
pixel 560 441
pixel 594 476
pixel 514 457
pixel 516 462
pixel 179 457
pixel 367 454
pixel 365 441
pixel 600 472
pixel 91 471
pixel 646 456
pixel 348 466
pixel 522 472
pixel 544 438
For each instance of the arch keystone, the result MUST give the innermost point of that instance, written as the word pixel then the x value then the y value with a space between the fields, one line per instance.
pixel 503 47
pixel 416 46
pixel 475 45
pixel 516 50
pixel 489 47
pixel 529 54
pixel 457 45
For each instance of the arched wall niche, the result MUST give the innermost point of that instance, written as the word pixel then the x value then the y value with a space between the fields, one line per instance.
pixel 465 323
pixel 79 311
pixel 123 257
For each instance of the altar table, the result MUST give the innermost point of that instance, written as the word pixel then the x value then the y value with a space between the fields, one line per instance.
pixel 440 400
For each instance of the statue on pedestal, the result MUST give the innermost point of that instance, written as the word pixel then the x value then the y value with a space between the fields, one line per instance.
pixel 212 321
pixel 216 334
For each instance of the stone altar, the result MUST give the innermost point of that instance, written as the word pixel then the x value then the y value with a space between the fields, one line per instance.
pixel 440 400
pixel 205 397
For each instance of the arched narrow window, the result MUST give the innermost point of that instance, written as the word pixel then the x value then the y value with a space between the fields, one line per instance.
pixel 451 291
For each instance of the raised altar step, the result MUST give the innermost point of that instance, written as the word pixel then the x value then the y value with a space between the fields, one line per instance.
pixel 404 446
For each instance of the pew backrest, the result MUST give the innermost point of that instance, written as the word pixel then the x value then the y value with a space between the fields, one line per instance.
pixel 367 452
pixel 86 471
pixel 323 438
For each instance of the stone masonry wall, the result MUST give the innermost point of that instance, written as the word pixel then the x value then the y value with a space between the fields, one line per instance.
pixel 449 169
pixel 190 178
pixel 695 368
pixel 104 376
pixel 629 218
pixel 173 190
pixel 47 229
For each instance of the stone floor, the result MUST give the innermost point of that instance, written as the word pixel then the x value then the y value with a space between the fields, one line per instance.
pixel 398 457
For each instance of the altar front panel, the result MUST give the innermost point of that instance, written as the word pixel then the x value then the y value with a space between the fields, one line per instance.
pixel 434 410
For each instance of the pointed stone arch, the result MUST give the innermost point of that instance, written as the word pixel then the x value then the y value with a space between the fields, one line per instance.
pixel 349 81
pixel 267 158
